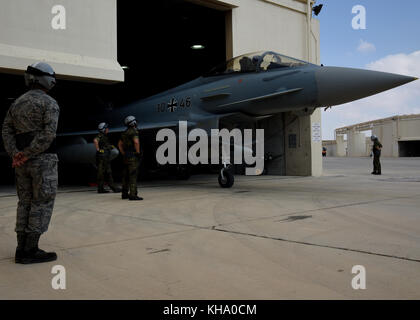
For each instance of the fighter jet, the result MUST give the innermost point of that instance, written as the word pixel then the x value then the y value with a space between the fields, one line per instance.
pixel 250 86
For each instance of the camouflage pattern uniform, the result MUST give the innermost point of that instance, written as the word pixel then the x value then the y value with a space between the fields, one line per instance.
pixel 103 161
pixel 30 126
pixel 376 157
pixel 131 162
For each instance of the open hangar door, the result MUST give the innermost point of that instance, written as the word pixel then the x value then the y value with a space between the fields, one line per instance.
pixel 155 40
pixel 409 148
pixel 154 47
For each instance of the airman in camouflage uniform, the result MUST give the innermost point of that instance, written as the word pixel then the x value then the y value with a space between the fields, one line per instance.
pixel 129 146
pixel 29 132
pixel 103 159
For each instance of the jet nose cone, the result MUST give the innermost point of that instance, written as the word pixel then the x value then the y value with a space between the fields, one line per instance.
pixel 341 85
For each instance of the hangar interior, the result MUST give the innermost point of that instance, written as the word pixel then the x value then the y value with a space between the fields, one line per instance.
pixel 409 148
pixel 153 41
pixel 154 49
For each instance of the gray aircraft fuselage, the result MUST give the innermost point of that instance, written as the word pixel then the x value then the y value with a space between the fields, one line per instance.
pixel 252 85
pixel 256 93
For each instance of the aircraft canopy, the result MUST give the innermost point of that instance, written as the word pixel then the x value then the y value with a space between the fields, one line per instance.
pixel 256 62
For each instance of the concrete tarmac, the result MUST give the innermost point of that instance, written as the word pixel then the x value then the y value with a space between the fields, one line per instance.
pixel 266 238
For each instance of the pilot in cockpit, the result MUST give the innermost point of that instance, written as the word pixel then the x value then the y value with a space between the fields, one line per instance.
pixel 256 60
pixel 246 64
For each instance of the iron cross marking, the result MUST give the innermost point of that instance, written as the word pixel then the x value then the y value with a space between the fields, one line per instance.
pixel 172 105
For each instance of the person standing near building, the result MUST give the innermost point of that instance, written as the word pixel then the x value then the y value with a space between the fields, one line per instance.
pixel 129 146
pixel 29 132
pixel 376 150
pixel 103 159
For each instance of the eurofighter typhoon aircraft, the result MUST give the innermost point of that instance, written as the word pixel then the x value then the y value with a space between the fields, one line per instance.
pixel 251 86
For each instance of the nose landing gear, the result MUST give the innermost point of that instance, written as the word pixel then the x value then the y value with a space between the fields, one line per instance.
pixel 226 177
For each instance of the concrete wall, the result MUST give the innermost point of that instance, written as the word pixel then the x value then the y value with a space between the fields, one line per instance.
pixel 278 25
pixel 273 129
pixel 387 135
pixel 331 150
pixel 341 146
pixel 356 144
pixel 86 48
pixel 316 145
pixel 409 129
pixel 368 146
pixel 331 146
pixel 298 152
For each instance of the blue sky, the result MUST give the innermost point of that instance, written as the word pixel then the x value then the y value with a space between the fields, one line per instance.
pixel 390 43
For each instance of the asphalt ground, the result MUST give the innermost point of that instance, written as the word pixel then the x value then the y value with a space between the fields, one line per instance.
pixel 266 238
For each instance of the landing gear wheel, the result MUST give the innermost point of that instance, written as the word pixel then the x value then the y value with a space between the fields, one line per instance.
pixel 227 179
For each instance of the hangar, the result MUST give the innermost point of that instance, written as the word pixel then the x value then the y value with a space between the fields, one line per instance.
pixel 110 52
pixel 399 135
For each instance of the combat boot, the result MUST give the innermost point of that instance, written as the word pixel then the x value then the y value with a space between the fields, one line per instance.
pixel 32 252
pixel 124 195
pixel 135 198
pixel 20 249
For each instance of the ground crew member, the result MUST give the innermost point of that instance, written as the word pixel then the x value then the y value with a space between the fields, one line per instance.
pixel 29 132
pixel 129 146
pixel 103 159
pixel 376 150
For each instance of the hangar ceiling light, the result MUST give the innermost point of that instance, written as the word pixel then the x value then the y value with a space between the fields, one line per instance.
pixel 197 47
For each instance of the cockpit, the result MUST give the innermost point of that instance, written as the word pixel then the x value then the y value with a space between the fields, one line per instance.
pixel 256 62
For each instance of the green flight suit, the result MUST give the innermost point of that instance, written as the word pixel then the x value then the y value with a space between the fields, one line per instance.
pixel 131 162
pixel 376 157
pixel 103 162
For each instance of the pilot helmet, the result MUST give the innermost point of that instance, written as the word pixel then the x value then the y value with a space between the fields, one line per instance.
pixel 102 127
pixel 373 137
pixel 130 121
pixel 256 59
pixel 41 73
